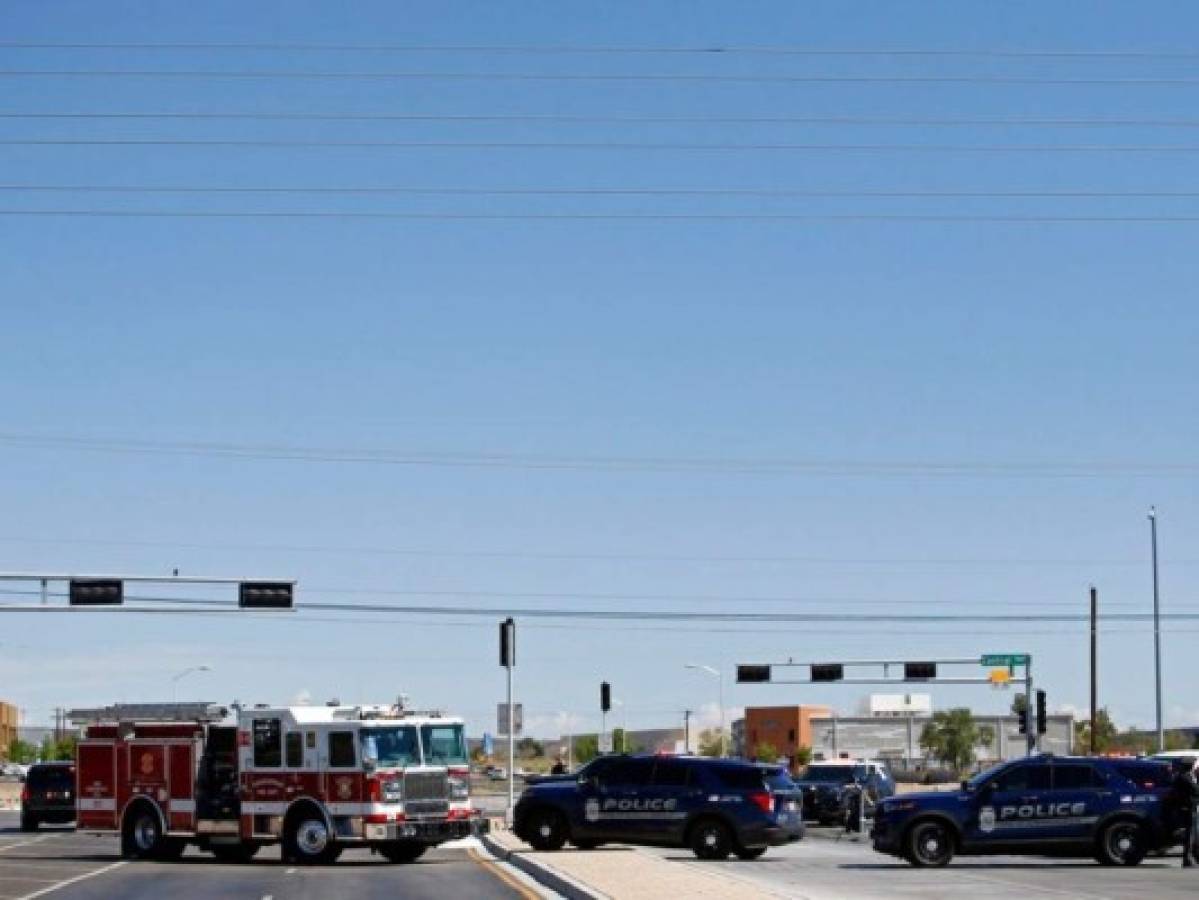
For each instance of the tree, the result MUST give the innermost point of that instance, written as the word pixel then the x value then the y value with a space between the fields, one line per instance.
pixel 1019 704
pixel 952 737
pixel 765 752
pixel 622 743
pixel 20 751
pixel 529 748
pixel 986 736
pixel 803 756
pixel 586 748
pixel 710 743
pixel 1105 733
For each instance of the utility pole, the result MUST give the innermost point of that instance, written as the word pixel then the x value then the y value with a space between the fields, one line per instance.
pixel 686 731
pixel 508 661
pixel 1157 634
pixel 1094 664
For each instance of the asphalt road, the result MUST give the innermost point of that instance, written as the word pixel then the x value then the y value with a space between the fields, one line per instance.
pixel 821 868
pixel 72 866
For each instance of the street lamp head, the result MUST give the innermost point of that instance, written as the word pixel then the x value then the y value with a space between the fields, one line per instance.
pixel 1153 512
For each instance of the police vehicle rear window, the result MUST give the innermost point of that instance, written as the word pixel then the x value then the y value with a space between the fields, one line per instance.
pixel 747 779
pixel 51 776
pixel 1074 777
pixel 671 773
pixel 1146 776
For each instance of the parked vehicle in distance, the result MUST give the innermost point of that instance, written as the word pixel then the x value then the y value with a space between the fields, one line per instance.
pixel 714 806
pixel 497 773
pixel 826 787
pixel 1110 808
pixel 48 796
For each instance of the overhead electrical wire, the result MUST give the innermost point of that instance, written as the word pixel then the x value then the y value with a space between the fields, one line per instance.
pixel 1135 53
pixel 572 119
pixel 595 556
pixel 607 145
pixel 902 468
pixel 601 77
pixel 1081 194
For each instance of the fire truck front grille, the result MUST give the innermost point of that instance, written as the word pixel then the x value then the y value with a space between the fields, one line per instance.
pixel 426 792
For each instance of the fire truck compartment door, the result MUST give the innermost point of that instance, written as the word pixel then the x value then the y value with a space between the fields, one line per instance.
pixel 96 771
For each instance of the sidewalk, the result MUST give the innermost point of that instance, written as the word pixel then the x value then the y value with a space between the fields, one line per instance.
pixel 624 873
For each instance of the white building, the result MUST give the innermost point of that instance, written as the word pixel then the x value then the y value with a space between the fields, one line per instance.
pixel 898 705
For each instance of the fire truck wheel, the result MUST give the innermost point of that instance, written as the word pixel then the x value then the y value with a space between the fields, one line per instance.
pixel 307 840
pixel 141 836
pixel 233 853
pixel 546 829
pixel 402 851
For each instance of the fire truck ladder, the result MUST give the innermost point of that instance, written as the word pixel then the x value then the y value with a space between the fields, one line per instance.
pixel 149 712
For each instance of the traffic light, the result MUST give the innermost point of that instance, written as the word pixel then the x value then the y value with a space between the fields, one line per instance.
pixel 827 671
pixel 265 595
pixel 96 592
pixel 753 674
pixel 919 671
pixel 508 643
pixel 605 697
pixel 1023 717
pixel 1042 714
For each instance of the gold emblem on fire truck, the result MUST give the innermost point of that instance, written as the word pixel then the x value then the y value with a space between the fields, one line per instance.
pixel 345 788
pixel 146 763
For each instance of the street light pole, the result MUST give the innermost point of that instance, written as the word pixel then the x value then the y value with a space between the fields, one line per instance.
pixel 1157 635
pixel 176 678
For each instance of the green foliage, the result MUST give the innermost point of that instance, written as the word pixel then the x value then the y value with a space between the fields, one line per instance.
pixel 529 748
pixel 1019 704
pixel 952 737
pixel 622 742
pixel 586 748
pixel 803 756
pixel 986 736
pixel 22 752
pixel 1106 735
pixel 709 742
pixel 765 752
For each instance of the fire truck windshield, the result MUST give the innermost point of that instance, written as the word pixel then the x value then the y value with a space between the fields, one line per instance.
pixel 444 745
pixel 392 746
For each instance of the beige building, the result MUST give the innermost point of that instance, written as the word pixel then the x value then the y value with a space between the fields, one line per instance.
pixel 8 727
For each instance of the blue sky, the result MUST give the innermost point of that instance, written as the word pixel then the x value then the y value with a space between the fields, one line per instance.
pixel 863 341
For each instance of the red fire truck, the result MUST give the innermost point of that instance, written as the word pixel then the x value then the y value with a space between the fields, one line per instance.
pixel 315 779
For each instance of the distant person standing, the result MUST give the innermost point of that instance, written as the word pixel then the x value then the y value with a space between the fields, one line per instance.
pixel 559 767
pixel 1185 797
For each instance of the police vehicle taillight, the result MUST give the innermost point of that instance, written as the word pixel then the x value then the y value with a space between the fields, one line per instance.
pixel 763 801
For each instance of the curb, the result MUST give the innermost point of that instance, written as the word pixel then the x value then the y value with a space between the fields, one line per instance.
pixel 544 875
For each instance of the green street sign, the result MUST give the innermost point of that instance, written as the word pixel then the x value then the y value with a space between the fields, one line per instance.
pixel 1004 659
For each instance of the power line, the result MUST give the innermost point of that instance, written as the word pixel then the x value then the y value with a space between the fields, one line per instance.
pixel 562 118
pixel 583 49
pixel 597 556
pixel 609 145
pixel 902 468
pixel 1082 194
pixel 600 77
pixel 595 217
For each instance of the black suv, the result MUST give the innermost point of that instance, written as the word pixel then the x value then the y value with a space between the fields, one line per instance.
pixel 714 806
pixel 48 795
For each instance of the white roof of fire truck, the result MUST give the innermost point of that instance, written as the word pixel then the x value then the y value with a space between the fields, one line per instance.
pixel 332 715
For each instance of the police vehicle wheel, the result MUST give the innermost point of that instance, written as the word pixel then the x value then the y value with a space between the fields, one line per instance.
pixel 403 852
pixel 28 822
pixel 1121 844
pixel 930 844
pixel 711 839
pixel 748 853
pixel 546 829
pixel 141 838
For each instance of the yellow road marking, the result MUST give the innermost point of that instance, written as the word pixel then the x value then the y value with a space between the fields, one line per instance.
pixel 499 872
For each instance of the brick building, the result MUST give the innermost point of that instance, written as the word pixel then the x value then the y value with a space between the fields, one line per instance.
pixel 785 728
pixel 8 727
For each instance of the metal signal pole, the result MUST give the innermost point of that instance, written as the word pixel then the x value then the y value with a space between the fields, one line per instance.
pixel 1157 634
pixel 1094 664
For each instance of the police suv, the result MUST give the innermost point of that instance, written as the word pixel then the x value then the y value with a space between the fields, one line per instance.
pixel 714 806
pixel 1111 809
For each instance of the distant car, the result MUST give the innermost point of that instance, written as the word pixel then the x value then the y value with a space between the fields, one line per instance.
pixel 714 806
pixel 497 773
pixel 827 787
pixel 48 795
pixel 1113 809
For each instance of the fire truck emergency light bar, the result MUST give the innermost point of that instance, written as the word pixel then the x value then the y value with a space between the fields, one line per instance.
pixel 149 712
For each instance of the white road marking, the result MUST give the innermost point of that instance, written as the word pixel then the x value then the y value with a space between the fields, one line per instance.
pixel 290 872
pixel 76 879
pixel 36 840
